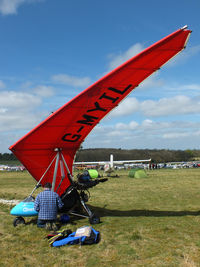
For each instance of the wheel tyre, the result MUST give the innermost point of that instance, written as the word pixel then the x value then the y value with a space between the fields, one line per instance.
pixel 94 219
pixel 18 220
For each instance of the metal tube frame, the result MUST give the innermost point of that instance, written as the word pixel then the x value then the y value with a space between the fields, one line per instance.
pixel 55 170
pixel 42 176
pixel 59 157
pixel 62 160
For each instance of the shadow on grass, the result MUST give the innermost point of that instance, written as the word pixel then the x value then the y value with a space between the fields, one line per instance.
pixel 103 212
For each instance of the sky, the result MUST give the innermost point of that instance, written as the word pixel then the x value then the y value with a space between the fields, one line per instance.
pixel 51 50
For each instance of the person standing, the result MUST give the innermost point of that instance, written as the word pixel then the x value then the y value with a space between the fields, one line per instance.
pixel 47 204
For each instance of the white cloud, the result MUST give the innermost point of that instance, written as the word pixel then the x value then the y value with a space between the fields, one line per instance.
pixel 186 89
pixel 17 120
pixel 3 110
pixel 178 105
pixel 147 134
pixel 115 133
pixel 8 7
pixel 2 85
pixel 148 124
pixel 171 106
pixel 26 85
pixel 44 91
pixel 133 125
pixel 127 107
pixel 152 81
pixel 71 80
pixel 18 110
pixel 191 51
pixel 194 50
pixel 175 135
pixel 123 126
pixel 19 100
pixel 184 55
pixel 116 60
pixel 191 87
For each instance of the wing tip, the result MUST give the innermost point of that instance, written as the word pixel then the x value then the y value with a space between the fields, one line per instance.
pixel 184 27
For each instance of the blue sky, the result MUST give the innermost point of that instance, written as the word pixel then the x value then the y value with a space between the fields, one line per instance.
pixel 51 50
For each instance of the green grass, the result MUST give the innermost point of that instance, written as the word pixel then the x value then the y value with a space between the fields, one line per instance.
pixel 153 221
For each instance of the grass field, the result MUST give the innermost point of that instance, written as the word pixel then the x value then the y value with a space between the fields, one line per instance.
pixel 153 221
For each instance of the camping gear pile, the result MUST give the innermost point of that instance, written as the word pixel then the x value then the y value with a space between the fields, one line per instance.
pixel 85 235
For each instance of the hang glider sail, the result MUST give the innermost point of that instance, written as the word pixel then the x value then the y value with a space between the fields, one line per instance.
pixel 48 150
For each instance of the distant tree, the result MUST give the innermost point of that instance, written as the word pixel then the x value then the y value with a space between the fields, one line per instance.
pixel 7 156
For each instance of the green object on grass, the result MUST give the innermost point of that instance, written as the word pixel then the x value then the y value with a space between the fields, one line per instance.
pixel 140 174
pixel 93 173
pixel 132 173
pixel 137 173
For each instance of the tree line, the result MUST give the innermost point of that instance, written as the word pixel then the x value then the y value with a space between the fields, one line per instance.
pixel 157 155
pixel 7 157
pixel 103 154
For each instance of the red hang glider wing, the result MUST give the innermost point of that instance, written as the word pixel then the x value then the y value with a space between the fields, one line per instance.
pixel 67 128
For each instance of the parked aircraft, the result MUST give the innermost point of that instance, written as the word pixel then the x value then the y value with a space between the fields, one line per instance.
pixel 11 168
pixel 109 164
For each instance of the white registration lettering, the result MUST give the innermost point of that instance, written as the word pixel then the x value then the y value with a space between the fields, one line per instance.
pixel 28 209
